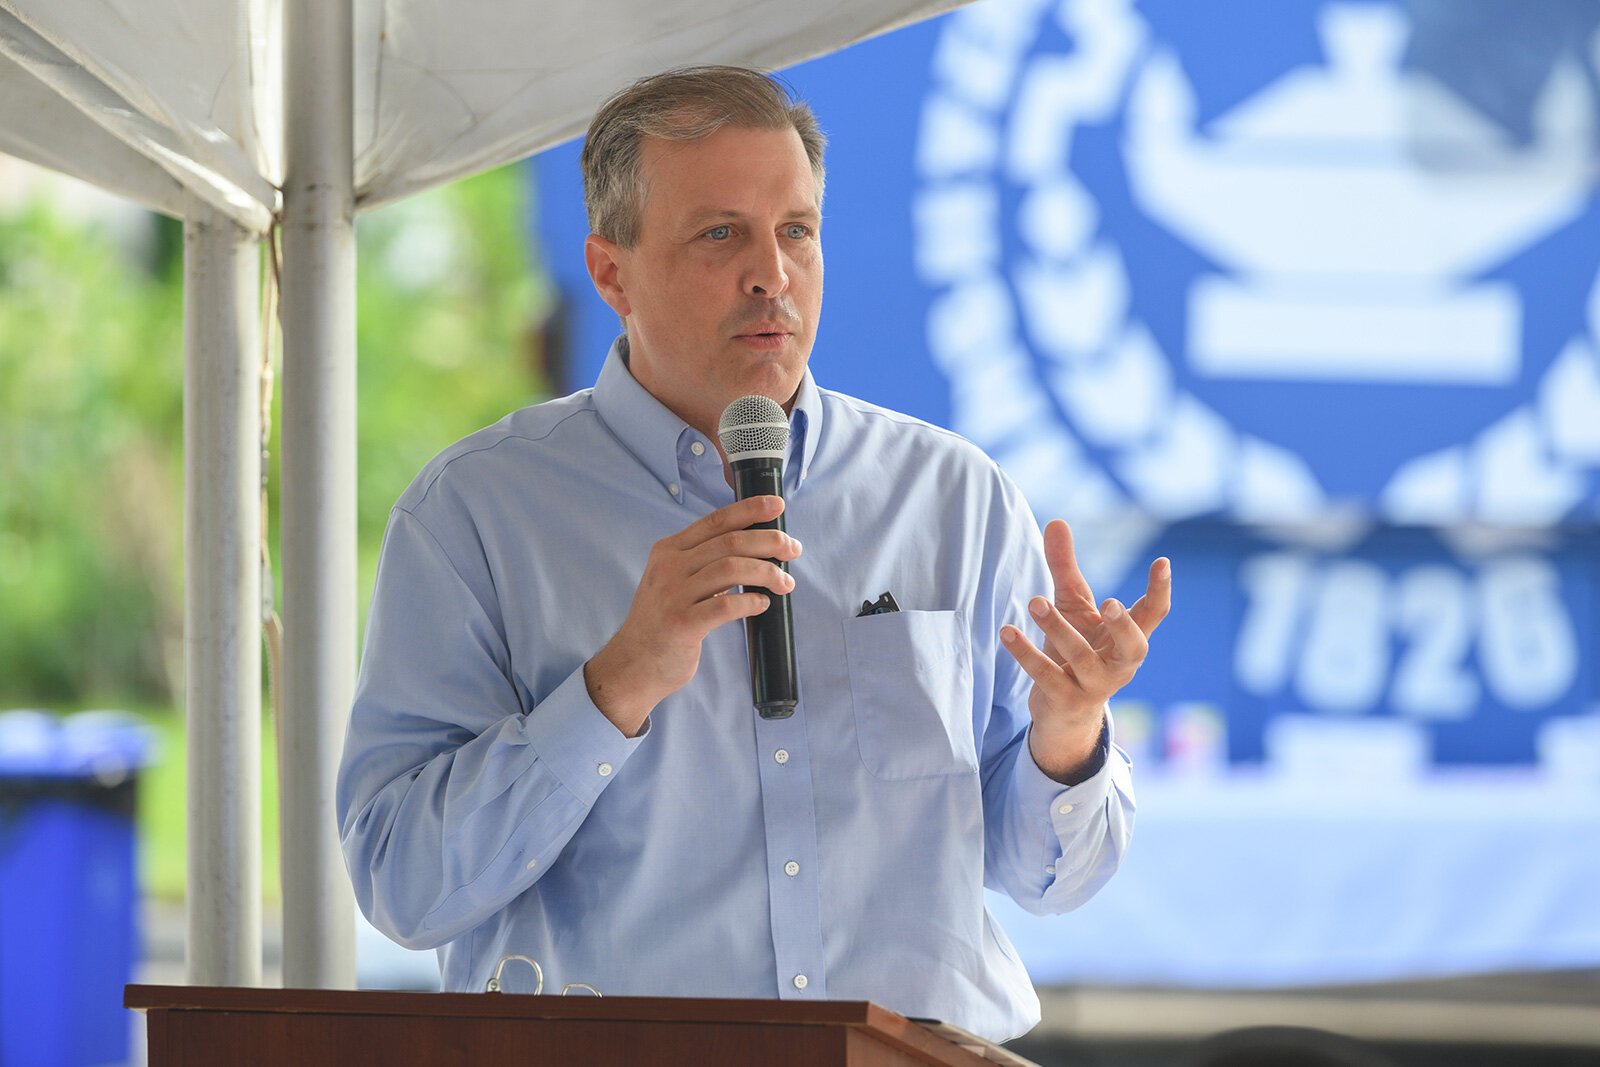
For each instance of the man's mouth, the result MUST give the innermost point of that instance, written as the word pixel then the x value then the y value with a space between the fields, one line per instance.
pixel 764 336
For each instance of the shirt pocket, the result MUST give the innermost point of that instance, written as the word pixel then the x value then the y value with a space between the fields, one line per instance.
pixel 911 685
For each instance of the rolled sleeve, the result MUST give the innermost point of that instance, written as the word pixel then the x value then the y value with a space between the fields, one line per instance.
pixel 1037 791
pixel 1066 841
pixel 579 745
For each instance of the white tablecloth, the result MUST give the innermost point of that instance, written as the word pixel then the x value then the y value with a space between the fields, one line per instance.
pixel 1252 880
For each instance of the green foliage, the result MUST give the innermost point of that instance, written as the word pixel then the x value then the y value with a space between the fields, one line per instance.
pixel 91 425
pixel 446 329
pixel 91 439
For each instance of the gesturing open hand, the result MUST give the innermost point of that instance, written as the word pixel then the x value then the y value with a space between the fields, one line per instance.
pixel 1089 653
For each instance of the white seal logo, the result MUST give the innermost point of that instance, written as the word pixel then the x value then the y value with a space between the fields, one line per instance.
pixel 1153 307
pixel 1346 226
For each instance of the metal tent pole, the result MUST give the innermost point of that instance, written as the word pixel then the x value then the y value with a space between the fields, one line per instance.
pixel 318 516
pixel 222 589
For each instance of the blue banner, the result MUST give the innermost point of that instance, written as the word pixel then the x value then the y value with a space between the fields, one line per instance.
pixel 1302 294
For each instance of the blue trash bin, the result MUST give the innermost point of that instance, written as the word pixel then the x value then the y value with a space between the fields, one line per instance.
pixel 68 892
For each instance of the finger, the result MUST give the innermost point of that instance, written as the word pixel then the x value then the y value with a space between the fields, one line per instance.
pixel 729 571
pixel 1122 645
pixel 1064 642
pixel 736 516
pixel 1150 609
pixel 756 544
pixel 1045 672
pixel 1072 593
pixel 725 608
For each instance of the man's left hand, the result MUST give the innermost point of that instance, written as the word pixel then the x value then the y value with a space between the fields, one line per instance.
pixel 1089 653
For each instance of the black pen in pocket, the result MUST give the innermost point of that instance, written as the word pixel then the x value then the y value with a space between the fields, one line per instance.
pixel 882 606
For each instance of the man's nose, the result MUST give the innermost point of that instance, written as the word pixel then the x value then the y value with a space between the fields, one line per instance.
pixel 765 274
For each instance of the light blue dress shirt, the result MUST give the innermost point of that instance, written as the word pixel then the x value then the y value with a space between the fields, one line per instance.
pixel 487 807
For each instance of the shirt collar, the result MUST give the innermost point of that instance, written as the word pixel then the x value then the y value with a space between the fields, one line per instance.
pixel 651 432
pixel 805 431
pixel 640 421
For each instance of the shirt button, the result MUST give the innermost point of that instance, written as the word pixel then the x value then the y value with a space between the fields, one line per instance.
pixel 782 755
pixel 672 487
pixel 698 449
pixel 532 864
pixel 800 981
pixel 791 868
pixel 1065 809
pixel 604 769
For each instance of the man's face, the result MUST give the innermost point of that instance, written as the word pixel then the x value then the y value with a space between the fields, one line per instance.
pixel 722 291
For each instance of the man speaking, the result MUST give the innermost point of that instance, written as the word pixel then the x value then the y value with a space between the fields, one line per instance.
pixel 554 749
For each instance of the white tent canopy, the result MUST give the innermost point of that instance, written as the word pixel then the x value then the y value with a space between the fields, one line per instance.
pixel 241 115
pixel 169 99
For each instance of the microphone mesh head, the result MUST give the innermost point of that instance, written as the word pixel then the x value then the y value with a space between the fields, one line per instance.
pixel 753 427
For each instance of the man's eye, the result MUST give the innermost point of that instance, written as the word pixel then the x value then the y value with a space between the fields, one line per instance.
pixel 797 231
pixel 720 233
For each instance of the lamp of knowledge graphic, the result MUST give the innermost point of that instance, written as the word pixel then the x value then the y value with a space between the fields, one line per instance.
pixel 1171 284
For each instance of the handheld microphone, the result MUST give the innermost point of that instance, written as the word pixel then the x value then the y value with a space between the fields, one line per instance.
pixel 755 435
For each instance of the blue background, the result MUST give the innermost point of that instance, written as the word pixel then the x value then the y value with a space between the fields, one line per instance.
pixel 873 342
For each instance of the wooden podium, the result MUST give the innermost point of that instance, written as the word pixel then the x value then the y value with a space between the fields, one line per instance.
pixel 191 1026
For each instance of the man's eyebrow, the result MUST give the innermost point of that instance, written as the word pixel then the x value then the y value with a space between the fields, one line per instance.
pixel 712 214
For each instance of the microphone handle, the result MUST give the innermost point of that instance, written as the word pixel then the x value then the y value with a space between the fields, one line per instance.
pixel 774 682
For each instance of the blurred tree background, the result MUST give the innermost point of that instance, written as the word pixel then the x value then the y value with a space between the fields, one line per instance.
pixel 91 429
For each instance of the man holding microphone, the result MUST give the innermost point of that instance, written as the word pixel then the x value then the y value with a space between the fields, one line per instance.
pixel 553 749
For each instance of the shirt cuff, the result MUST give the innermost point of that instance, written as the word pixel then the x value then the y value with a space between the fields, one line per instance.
pixel 1068 805
pixel 576 741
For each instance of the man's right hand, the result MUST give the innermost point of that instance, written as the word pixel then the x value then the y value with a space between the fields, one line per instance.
pixel 685 593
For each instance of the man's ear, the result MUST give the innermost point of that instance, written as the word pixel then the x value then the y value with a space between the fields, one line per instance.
pixel 604 260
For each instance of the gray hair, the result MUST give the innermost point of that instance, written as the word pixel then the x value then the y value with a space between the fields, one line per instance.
pixel 680 105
